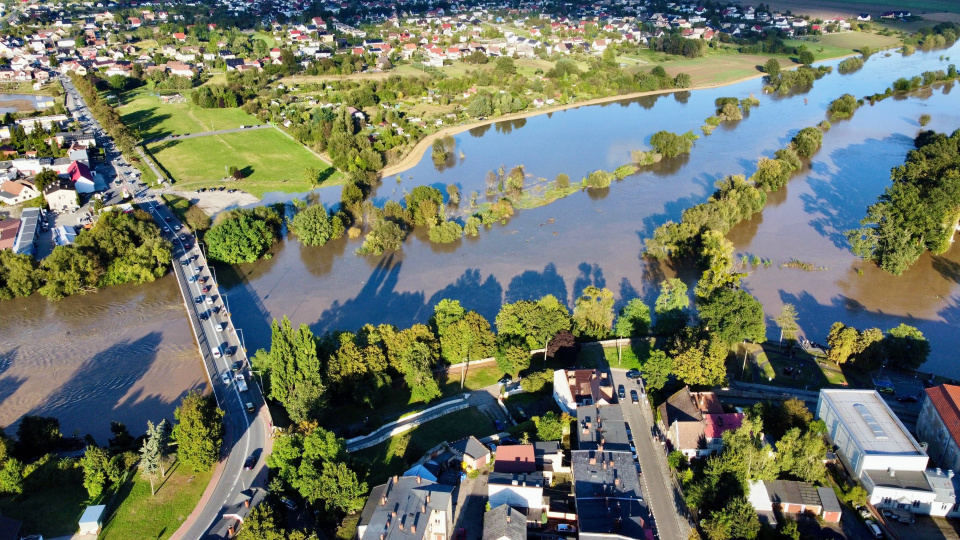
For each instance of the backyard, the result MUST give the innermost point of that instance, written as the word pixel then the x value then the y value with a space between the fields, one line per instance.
pixel 395 455
pixel 768 364
pixel 53 511
pixel 268 159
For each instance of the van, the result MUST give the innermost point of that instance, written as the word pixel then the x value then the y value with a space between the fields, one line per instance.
pixel 874 530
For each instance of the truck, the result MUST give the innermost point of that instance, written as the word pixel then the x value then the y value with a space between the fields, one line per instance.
pixel 241 382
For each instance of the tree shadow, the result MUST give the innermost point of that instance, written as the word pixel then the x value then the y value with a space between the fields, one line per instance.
pixel 533 285
pixel 950 270
pixel 589 275
pixel 483 296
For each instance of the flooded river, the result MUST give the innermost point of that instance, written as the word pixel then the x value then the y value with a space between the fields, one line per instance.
pixel 596 238
pixel 122 354
pixel 128 354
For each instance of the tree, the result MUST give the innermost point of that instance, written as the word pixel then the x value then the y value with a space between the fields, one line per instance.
pixel 418 375
pixel 699 358
pixel 550 426
pixel 535 382
pixel 150 458
pixel 260 524
pixel 656 370
pixel 735 315
pixel 673 295
pixel 512 354
pixel 466 339
pixel 340 488
pixel 772 68
pixel 905 347
pixel 294 369
pixel 37 435
pixel 672 145
pixel 535 322
pixel 787 322
pixel 386 235
pixel 807 141
pixel 98 470
pixel 314 227
pixel 593 313
pixel 842 340
pixel 198 432
pixel 18 275
pixel 239 239
pixel 634 320
pixel 738 519
pixel 801 455
pixel 806 57
pixel 11 476
pixel 44 178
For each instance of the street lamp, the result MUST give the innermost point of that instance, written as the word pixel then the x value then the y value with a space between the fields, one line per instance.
pixel 203 248
pixel 226 304
pixel 242 342
pixel 214 272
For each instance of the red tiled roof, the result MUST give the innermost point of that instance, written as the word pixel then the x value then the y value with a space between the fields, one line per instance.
pixel 946 399
pixel 8 232
pixel 515 459
pixel 718 424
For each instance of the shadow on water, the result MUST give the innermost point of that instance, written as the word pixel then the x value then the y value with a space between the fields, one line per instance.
pixel 473 293
pixel 590 274
pixel 837 202
pixel 98 380
pixel 533 285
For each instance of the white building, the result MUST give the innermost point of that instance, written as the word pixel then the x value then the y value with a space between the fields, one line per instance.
pixel 879 451
pixel 520 490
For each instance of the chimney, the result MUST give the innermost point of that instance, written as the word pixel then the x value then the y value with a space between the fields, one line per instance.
pixel 949 473
pixel 593 461
pixel 891 471
pixel 419 479
pixel 611 463
pixel 616 482
pixel 413 529
pixel 428 498
pixel 394 513
pixel 395 478
pixel 508 518
pixel 400 525
pixel 383 501
pixel 423 508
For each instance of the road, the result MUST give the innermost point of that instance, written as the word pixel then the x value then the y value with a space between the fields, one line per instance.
pixel 204 134
pixel 247 423
pixel 664 498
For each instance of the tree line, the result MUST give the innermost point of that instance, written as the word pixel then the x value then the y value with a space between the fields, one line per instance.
pixel 919 211
pixel 119 248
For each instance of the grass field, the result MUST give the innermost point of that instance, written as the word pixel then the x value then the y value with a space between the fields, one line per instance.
pixel 395 455
pixel 832 8
pixel 140 515
pixel 269 159
pixel 144 111
pixel 51 512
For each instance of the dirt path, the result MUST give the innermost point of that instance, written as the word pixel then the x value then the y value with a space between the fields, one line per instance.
pixel 214 202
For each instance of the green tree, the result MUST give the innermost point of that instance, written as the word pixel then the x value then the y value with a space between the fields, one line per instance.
pixel 734 316
pixel 37 435
pixel 468 339
pixel 18 275
pixel 417 360
pixel 593 313
pixel 787 322
pixel 801 455
pixel 260 524
pixel 672 145
pixel 807 141
pixel 535 382
pixel 44 178
pixel 294 370
pixel 67 271
pixel 634 320
pixel 198 431
pixel 673 295
pixel 340 488
pixel 699 358
pixel 314 227
pixel 386 235
pixel 512 354
pixel 535 322
pixel 905 347
pixel 98 470
pixel 239 239
pixel 150 458
pixel 806 57
pixel 772 67
pixel 550 426
pixel 842 340
pixel 657 369
pixel 11 476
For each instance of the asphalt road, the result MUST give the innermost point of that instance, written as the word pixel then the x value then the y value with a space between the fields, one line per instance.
pixel 204 134
pixel 220 344
pixel 660 494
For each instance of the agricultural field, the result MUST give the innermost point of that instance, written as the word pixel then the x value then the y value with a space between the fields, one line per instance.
pixel 835 8
pixel 141 110
pixel 269 160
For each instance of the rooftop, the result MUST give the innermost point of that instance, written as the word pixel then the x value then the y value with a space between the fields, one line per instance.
pixel 602 426
pixel 401 508
pixel 946 400
pixel 470 446
pixel 790 492
pixel 534 479
pixel 515 459
pixel 8 232
pixel 871 422
pixel 504 522
pixel 899 479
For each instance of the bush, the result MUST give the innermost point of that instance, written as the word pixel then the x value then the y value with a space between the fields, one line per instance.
pixel 672 145
pixel 599 179
pixel 843 107
pixel 807 141
pixel 240 238
pixel 446 232
pixel 924 120
pixel 850 65
pixel 314 227
pixel 536 381
pixel 385 235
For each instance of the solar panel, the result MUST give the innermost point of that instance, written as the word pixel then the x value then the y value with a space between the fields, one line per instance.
pixel 874 426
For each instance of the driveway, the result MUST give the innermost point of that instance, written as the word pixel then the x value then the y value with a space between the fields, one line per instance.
pixel 471 505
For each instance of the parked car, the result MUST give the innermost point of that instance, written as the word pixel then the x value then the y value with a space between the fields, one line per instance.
pixel 237 365
pixel 886 390
pixel 633 374
pixel 498 425
pixel 217 353
pixel 199 299
pixel 907 399
pixel 210 300
pixel 634 397
pixel 289 504
pixel 505 380
pixel 621 392
pixel 872 527
pixel 508 441
pixel 225 377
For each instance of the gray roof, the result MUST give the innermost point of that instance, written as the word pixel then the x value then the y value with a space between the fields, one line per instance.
pixel 604 518
pixel 59 185
pixel 29 222
pixel 604 425
pixel 470 446
pixel 534 479
pixel 504 522
pixel 404 504
pixel 791 492
pixel 828 500
pixel 545 447
pixel 900 479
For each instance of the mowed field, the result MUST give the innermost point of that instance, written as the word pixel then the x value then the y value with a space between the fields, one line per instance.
pixel 270 161
pixel 155 119
pixel 846 8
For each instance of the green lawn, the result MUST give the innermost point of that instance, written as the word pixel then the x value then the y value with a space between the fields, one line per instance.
pixel 843 43
pixel 140 515
pixel 51 512
pixel 270 161
pixel 397 454
pixel 770 363
pixel 142 110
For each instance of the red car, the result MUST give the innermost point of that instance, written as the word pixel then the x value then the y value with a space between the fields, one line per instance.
pixel 206 289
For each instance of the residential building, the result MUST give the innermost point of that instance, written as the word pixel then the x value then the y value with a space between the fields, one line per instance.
pixel 518 458
pixel 407 508
pixel 573 388
pixel 504 523
pixel 9 228
pixel 520 490
pixel 694 422
pixel 473 453
pixel 81 177
pixel 61 196
pixel 770 497
pixel 26 241
pixel 549 459
pixel 939 425
pixel 876 448
pixel 17 191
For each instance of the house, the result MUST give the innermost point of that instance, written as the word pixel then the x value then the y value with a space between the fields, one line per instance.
pixel 602 427
pixel 427 470
pixel 573 388
pixel 407 508
pixel 876 449
pixel 520 490
pixel 26 242
pixel 61 196
pixel 9 228
pixel 939 425
pixel 606 484
pixel 473 453
pixel 549 459
pixel 92 519
pixel 863 17
pixel 17 191
pixel 770 497
pixel 518 458
pixel 81 177
pixel 504 523
pixel 694 422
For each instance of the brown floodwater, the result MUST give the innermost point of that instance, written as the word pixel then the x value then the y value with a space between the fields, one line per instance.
pixel 122 354
pixel 596 237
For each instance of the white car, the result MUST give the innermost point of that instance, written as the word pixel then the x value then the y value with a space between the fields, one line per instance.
pixel 225 378
pixel 210 300
pixel 216 353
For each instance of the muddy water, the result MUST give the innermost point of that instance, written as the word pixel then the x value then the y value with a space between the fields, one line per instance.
pixel 122 354
pixel 596 237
